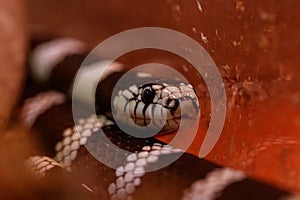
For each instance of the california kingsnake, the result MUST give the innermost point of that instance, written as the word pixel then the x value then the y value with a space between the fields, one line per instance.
pixel 62 144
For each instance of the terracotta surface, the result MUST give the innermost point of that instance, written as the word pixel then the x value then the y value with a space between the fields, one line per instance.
pixel 12 55
pixel 255 46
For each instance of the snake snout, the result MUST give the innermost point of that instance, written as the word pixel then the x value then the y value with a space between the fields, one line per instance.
pixel 187 108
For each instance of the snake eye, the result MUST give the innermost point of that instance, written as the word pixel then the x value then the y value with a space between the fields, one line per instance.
pixel 148 95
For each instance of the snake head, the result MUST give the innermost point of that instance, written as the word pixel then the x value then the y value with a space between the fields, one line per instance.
pixel 161 104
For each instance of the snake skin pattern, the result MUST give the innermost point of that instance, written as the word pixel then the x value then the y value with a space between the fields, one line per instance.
pixel 40 165
pixel 64 146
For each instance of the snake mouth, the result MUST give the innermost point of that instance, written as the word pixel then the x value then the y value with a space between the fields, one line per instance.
pixel 181 117
pixel 169 119
pixel 185 110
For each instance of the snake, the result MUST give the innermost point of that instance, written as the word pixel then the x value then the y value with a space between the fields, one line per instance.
pixel 146 100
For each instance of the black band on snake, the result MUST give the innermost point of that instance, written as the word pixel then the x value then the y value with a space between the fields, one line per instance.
pixel 62 141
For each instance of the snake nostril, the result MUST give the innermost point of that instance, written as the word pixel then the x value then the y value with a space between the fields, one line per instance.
pixel 172 104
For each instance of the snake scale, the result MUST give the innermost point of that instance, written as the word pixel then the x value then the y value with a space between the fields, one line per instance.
pixel 63 144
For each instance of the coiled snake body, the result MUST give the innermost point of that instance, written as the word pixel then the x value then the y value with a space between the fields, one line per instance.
pixel 65 145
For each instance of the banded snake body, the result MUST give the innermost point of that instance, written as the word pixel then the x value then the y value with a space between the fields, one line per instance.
pixel 188 177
